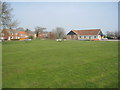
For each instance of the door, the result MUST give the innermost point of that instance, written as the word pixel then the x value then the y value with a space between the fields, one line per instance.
pixel 72 36
pixel 89 37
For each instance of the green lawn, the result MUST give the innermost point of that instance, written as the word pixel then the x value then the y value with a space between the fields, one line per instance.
pixel 68 64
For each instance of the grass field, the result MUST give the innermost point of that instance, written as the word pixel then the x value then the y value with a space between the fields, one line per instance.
pixel 68 64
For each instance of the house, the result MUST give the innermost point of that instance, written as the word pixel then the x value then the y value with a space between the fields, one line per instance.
pixel 32 33
pixel 42 35
pixel 23 35
pixel 9 34
pixel 92 34
pixel 12 34
pixel 51 35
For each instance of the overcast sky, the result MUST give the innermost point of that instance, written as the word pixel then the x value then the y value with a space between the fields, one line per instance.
pixel 69 15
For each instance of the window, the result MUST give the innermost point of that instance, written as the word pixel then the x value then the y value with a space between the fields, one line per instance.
pixel 80 36
pixel 89 37
pixel 84 36
pixel 15 33
pixel 26 36
pixel 94 36
pixel 3 34
pixel 11 33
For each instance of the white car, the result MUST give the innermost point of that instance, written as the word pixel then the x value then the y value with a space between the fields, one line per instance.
pixel 105 39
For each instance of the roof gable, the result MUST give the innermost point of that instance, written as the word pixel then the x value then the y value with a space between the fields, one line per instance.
pixel 71 33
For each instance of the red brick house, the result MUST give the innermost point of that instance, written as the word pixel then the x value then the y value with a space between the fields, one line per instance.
pixel 92 34
pixel 51 35
pixel 23 35
pixel 12 34
pixel 31 33
pixel 9 34
pixel 42 35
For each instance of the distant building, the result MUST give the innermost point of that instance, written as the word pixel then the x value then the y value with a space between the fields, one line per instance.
pixel 43 35
pixel 23 35
pixel 31 33
pixel 51 35
pixel 9 34
pixel 12 34
pixel 93 34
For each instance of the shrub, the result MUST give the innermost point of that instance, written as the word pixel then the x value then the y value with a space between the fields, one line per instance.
pixel 14 39
pixel 31 37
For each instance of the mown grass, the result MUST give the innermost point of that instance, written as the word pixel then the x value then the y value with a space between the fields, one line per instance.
pixel 68 64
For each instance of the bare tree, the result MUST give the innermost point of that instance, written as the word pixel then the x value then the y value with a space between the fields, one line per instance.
pixel 6 16
pixel 112 34
pixel 108 33
pixel 13 24
pixel 51 35
pixel 116 33
pixel 60 33
pixel 39 30
pixel 0 15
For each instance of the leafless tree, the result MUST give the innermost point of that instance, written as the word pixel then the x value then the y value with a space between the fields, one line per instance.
pixel 39 30
pixel 51 35
pixel 60 33
pixel 0 15
pixel 13 24
pixel 6 16
pixel 110 34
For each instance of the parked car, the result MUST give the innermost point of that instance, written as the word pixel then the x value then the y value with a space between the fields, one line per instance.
pixel 105 39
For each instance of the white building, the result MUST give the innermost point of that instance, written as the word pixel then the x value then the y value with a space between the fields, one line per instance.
pixel 93 34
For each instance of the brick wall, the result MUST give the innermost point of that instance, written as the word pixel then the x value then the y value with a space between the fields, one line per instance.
pixel 72 37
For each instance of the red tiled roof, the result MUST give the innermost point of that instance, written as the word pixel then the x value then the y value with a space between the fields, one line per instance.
pixel 22 32
pixel 87 32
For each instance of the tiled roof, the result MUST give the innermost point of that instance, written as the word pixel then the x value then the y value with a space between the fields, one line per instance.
pixel 22 32
pixel 87 32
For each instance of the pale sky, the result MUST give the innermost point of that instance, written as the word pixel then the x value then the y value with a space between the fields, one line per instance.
pixel 69 15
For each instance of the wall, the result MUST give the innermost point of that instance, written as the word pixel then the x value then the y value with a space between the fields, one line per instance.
pixel 91 37
pixel 72 37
